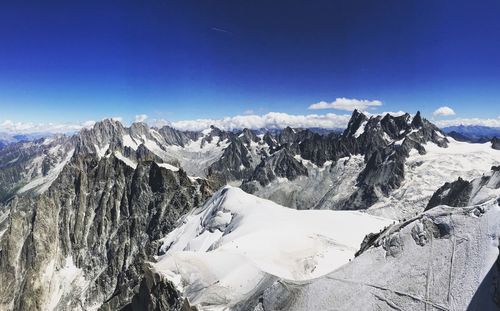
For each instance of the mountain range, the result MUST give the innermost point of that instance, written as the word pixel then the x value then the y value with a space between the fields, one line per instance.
pixel 472 133
pixel 144 218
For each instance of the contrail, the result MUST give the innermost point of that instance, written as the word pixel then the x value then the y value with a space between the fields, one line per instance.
pixel 220 30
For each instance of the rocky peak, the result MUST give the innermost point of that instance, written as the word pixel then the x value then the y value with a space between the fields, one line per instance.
pixel 357 118
pixel 417 121
pixel 138 129
pixel 395 127
pixel 462 193
pixel 215 132
pixel 104 133
pixel 107 128
pixel 287 136
pixel 455 193
pixel 173 136
pixel 282 164
pixel 247 136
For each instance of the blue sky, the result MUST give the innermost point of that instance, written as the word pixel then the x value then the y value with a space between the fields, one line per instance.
pixel 180 60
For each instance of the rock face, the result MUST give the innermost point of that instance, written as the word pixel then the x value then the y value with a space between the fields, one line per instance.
pixel 495 143
pixel 157 293
pixel 281 164
pixel 36 161
pixel 84 242
pixel 456 193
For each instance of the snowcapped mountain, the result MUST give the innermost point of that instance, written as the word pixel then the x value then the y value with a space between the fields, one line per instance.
pixel 117 217
pixel 11 138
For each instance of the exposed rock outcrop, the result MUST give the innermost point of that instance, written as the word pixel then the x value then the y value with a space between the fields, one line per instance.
pixel 84 242
pixel 495 143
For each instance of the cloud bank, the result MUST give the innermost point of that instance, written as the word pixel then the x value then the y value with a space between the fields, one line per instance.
pixel 492 122
pixel 347 104
pixel 53 128
pixel 141 117
pixel 444 111
pixel 272 120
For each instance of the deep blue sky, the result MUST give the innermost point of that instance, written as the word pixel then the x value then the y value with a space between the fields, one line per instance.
pixel 63 61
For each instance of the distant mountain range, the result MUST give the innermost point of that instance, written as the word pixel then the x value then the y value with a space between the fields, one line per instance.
pixel 468 133
pixel 9 138
pixel 472 133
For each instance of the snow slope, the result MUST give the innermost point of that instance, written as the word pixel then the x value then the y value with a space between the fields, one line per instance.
pixel 424 174
pixel 224 251
pixel 444 259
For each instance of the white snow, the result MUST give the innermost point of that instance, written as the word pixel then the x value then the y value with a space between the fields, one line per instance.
pixel 230 244
pixel 193 157
pixel 439 134
pixel 168 166
pixel 447 271
pixel 156 135
pixel 47 141
pixel 125 160
pixel 484 191
pixel 206 131
pixel 61 281
pixel 101 151
pixel 129 142
pixel 43 182
pixel 361 129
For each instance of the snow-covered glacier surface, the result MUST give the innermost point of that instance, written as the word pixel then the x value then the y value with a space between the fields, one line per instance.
pixel 443 259
pixel 225 251
pixel 426 173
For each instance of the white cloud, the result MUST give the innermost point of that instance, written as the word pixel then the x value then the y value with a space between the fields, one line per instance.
pixel 141 117
pixel 492 122
pixel 269 120
pixel 119 119
pixel 32 127
pixel 248 111
pixel 444 111
pixel 348 104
